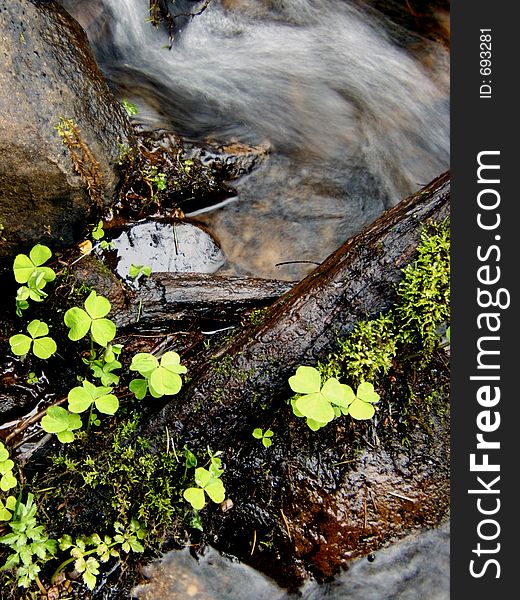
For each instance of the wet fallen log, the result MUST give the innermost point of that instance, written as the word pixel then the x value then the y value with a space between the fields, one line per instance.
pixel 314 500
pixel 301 327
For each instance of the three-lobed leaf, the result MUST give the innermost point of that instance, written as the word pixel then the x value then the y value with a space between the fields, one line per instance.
pixel 42 346
pixel 161 377
pixel 207 484
pixel 82 397
pixel 25 267
pixel 81 321
pixel 362 407
pixel 61 422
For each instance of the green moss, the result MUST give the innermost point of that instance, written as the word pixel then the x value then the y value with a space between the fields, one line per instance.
pixel 256 316
pixel 130 478
pixel 410 328
pixel 367 353
pixel 424 292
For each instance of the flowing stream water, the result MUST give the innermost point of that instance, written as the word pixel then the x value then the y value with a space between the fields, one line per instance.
pixel 412 569
pixel 355 112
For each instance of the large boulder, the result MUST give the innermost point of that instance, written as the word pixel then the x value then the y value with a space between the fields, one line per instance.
pixel 49 183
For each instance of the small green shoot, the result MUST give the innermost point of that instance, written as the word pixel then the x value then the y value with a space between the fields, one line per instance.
pixel 98 232
pixel 32 378
pixel 130 107
pixel 42 346
pixel 264 436
pixel 80 321
pixel 136 270
pixel 81 551
pixel 28 542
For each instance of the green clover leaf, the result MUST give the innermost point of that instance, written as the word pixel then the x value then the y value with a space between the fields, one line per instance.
pixel 82 397
pixel 80 321
pixel 144 363
pixel 136 270
pixel 61 422
pixel 362 407
pixel 7 509
pixel 25 267
pixel 139 387
pixel 8 481
pixel 161 378
pixel 42 346
pixel 265 437
pixel 208 484
pixel 319 404
pixel 306 381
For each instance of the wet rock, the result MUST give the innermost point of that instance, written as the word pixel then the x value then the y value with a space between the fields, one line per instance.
pixel 48 189
pixel 91 273
pixel 180 247
pixel 16 395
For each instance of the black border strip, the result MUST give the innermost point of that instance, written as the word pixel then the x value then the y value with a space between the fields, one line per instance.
pixel 484 120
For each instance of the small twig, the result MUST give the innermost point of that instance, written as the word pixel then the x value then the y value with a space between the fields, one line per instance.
pixel 402 497
pixel 254 542
pixel 286 525
pixel 373 500
pixel 297 262
pixel 24 424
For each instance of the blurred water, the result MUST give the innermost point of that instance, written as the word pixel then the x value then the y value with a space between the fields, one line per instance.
pixel 355 122
pixel 416 568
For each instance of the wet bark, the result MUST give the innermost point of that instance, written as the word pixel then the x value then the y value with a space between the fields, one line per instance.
pixel 168 298
pixel 251 369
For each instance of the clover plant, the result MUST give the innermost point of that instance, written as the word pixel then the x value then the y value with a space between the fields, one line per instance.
pixel 320 404
pixel 103 367
pixel 42 345
pixel 136 270
pixel 7 508
pixel 362 406
pixel 81 322
pixel 61 422
pixel 29 270
pixel 84 397
pixel 264 436
pixel 29 543
pixel 7 480
pixel 160 377
pixel 98 232
pixel 208 484
pixel 130 107
pixel 207 481
pixel 317 403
